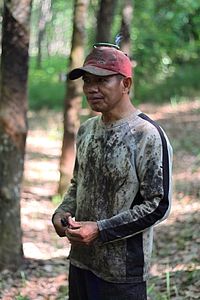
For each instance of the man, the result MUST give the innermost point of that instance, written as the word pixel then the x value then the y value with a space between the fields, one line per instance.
pixel 121 186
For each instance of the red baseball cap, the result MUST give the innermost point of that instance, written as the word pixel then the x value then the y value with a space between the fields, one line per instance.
pixel 104 60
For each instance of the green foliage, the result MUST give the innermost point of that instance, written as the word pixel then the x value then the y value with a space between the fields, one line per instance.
pixel 46 88
pixel 63 291
pixel 166 294
pixel 182 83
pixel 57 199
pixel 20 297
pixel 174 284
pixel 23 278
pixel 165 44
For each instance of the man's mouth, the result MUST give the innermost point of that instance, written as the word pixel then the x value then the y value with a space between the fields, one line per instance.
pixel 95 99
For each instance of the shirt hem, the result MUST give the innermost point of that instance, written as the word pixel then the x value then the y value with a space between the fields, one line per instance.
pixel 136 279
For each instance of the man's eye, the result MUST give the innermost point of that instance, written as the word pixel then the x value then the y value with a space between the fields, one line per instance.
pixel 86 80
pixel 102 80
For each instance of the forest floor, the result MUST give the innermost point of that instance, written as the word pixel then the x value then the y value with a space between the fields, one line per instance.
pixel 175 271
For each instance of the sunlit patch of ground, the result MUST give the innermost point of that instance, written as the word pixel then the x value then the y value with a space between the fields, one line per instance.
pixel 39 238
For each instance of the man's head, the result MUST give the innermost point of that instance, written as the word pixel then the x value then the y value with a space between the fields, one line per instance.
pixel 104 61
pixel 106 75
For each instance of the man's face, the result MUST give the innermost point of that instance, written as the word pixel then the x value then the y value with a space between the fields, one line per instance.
pixel 103 93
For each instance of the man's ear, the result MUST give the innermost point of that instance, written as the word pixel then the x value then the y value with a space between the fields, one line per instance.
pixel 127 82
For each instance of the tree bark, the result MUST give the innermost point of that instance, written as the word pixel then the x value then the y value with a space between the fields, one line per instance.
pixel 127 16
pixel 13 126
pixel 45 17
pixel 105 19
pixel 125 31
pixel 73 96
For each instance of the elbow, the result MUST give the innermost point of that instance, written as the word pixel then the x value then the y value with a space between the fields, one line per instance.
pixel 163 211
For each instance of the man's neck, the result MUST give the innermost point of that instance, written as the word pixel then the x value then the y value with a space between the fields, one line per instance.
pixel 113 116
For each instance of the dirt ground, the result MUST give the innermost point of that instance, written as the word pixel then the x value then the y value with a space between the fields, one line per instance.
pixel 175 271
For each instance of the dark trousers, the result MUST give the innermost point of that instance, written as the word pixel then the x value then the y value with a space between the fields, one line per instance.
pixel 84 285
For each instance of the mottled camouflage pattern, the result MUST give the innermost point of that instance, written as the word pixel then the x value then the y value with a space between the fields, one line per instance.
pixel 119 182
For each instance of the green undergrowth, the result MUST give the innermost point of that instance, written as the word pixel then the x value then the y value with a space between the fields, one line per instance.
pixel 47 84
pixel 174 88
pixel 174 286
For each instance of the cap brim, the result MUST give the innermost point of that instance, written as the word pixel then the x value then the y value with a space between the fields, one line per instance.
pixel 76 73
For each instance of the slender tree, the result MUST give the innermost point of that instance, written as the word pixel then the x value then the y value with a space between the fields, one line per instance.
pixel 125 32
pixel 105 19
pixel 127 16
pixel 73 95
pixel 44 18
pixel 13 126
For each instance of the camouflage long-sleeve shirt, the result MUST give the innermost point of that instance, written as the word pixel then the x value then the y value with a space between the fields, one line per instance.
pixel 122 180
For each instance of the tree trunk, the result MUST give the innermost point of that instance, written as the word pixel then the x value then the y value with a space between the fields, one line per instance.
pixel 1 14
pixel 13 126
pixel 127 16
pixel 45 17
pixel 73 96
pixel 105 19
pixel 125 31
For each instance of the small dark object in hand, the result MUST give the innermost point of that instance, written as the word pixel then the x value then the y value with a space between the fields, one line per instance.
pixel 64 222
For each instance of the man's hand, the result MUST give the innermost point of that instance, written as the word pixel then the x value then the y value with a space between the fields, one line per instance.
pixel 81 232
pixel 60 222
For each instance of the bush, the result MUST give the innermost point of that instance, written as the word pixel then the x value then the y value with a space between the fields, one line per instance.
pixel 46 87
pixel 183 83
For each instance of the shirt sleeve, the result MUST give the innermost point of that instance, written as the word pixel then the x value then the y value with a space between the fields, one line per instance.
pixel 152 202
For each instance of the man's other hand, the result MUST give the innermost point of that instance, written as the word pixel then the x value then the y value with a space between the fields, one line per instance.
pixel 60 222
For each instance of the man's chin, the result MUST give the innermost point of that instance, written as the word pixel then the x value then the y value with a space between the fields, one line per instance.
pixel 96 109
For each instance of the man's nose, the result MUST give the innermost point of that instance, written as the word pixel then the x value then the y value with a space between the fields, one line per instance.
pixel 93 87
